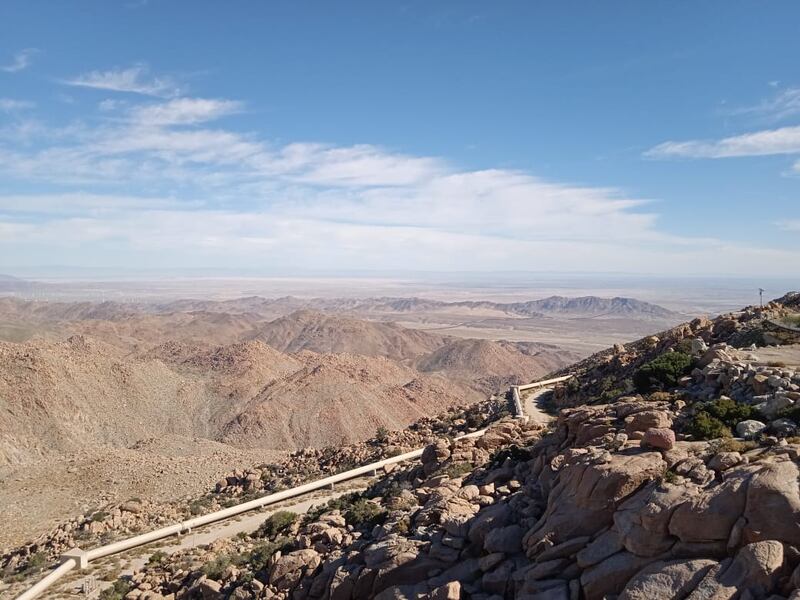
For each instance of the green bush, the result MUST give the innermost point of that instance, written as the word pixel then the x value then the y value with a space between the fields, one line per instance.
pixel 362 512
pixel 705 427
pixel 454 470
pixel 36 562
pixel 662 372
pixel 382 434
pixel 157 557
pixel 276 523
pixel 728 411
pixel 790 412
pixel 215 568
pixel 117 591
pixel 258 559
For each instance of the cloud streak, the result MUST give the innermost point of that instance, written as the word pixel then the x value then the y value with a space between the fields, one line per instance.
pixel 10 105
pixel 21 61
pixel 134 80
pixel 784 140
pixel 784 104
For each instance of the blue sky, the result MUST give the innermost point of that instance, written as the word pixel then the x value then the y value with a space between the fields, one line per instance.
pixel 654 137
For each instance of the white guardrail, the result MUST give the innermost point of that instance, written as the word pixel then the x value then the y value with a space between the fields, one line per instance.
pixel 81 558
pixel 516 399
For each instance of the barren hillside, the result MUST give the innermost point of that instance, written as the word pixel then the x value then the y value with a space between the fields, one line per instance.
pixel 340 398
pixel 311 330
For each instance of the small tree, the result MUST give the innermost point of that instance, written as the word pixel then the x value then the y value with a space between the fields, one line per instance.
pixel 662 372
pixel 382 434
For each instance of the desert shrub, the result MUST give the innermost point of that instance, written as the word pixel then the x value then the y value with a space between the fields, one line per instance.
pixel 258 558
pixel 214 569
pixel 36 562
pixel 790 412
pixel 732 445
pixel 662 372
pixel 610 395
pixel 791 320
pixel 702 426
pixel 362 513
pixel 381 434
pixel 118 590
pixel 316 511
pixel 454 470
pixel 276 523
pixel 199 505
pixel 669 477
pixel 573 386
pixel 157 557
pixel 684 346
pixel 728 411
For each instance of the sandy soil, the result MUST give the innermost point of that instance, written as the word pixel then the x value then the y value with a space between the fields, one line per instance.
pixel 785 354
pixel 35 497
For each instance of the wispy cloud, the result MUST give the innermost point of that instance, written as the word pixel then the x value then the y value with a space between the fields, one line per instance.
pixel 185 111
pixel 783 104
pixel 165 182
pixel 21 61
pixel 784 140
pixel 8 105
pixel 135 79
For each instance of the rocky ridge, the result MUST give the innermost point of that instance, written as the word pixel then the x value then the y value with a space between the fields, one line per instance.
pixel 629 496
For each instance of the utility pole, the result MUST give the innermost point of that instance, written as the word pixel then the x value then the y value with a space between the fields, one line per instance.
pixel 761 296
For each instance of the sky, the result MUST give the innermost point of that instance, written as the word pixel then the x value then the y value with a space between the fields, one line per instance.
pixel 655 138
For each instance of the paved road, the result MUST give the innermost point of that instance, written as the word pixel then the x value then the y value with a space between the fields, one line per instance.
pixel 531 404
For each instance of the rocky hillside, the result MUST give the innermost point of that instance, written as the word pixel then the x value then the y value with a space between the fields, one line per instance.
pixel 60 396
pixel 319 332
pixel 635 493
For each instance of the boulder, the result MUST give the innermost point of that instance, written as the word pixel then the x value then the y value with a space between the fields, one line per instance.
pixel 610 576
pixel 750 428
pixel 605 545
pixel 288 569
pixel 773 503
pixel 724 461
pixel 661 439
pixel 448 591
pixel 504 539
pixel 672 580
pixel 753 573
pixel 710 515
pixel 646 419
pixel 587 492
pixel 783 427
pixel 772 407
